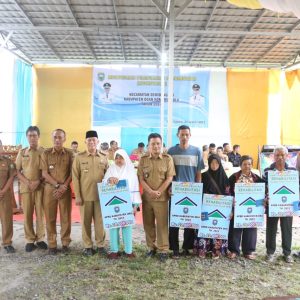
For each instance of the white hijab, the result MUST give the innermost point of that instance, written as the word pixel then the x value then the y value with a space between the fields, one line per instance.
pixel 128 172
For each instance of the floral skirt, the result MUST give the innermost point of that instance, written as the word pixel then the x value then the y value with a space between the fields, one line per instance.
pixel 216 247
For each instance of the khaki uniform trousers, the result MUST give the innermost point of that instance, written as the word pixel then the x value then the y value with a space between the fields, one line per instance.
pixel 91 211
pixel 33 201
pixel 50 208
pixel 6 216
pixel 156 211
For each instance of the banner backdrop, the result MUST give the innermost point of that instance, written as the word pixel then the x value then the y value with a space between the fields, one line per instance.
pixel 130 97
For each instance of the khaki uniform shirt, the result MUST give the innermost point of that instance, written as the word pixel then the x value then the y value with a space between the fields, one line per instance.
pixel 87 171
pixel 57 164
pixel 28 163
pixel 7 169
pixel 155 171
pixel 111 154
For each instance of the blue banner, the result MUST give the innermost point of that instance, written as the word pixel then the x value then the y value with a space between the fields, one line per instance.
pixel 249 209
pixel 283 192
pixel 130 97
pixel 116 206
pixel 215 216
pixel 186 204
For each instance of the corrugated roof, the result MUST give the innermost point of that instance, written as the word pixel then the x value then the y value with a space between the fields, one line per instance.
pixel 210 32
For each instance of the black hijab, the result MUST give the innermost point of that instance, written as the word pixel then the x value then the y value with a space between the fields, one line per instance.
pixel 215 182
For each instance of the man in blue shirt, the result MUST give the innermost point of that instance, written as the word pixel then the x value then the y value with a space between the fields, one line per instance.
pixel 188 165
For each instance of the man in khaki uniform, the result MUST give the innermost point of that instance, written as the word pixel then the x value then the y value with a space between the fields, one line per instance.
pixel 31 190
pixel 88 169
pixel 155 172
pixel 113 148
pixel 56 164
pixel 7 173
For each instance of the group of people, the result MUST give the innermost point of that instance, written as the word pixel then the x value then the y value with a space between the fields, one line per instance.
pixel 224 152
pixel 45 176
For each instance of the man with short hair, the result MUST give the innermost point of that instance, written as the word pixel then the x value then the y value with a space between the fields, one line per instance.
pixel 31 190
pixel 139 151
pixel 74 147
pixel 226 148
pixel 212 149
pixel 234 157
pixel 220 153
pixel 280 156
pixel 88 169
pixel 155 172
pixel 113 148
pixel 188 165
pixel 56 164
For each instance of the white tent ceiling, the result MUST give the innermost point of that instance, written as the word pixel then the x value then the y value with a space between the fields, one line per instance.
pixel 207 33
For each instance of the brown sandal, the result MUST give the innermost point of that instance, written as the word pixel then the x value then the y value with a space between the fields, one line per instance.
pixel 250 256
pixel 231 255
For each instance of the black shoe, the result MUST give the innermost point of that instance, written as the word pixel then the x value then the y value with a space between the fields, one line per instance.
pixel 175 254
pixel 65 249
pixel 163 257
pixel 10 249
pixel 88 252
pixel 42 245
pixel 52 251
pixel 151 253
pixel 29 247
pixel 185 252
pixel 101 251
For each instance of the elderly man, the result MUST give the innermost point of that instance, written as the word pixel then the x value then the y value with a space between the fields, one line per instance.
pixel 88 169
pixel 280 155
pixel 56 164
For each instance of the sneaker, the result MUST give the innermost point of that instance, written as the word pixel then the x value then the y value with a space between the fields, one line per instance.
pixel 65 249
pixel 113 255
pixel 215 256
pixel 163 257
pixel 129 255
pixel 42 245
pixel 175 254
pixel 151 253
pixel 10 249
pixel 52 251
pixel 288 259
pixel 29 247
pixel 101 251
pixel 88 252
pixel 270 257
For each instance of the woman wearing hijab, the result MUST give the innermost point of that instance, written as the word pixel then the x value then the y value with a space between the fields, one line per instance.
pixel 123 169
pixel 215 182
pixel 248 236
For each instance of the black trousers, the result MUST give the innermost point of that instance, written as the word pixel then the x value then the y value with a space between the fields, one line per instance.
pixel 247 235
pixel 188 237
pixel 286 224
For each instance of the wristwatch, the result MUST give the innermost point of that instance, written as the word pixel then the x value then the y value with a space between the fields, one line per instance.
pixel 57 185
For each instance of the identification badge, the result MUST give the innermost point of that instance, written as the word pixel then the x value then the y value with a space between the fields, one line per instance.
pixel 51 167
pixel 12 166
